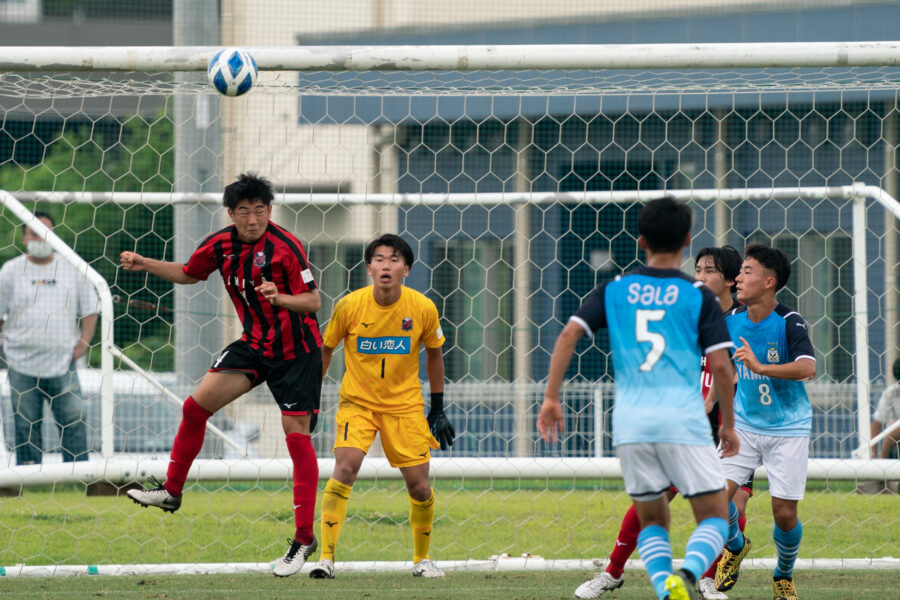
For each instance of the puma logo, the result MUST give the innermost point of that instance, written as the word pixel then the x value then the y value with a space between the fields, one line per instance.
pixel 426 533
pixel 424 454
pixel 331 523
pixel 366 325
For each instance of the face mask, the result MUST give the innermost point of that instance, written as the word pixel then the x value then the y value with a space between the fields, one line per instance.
pixel 39 249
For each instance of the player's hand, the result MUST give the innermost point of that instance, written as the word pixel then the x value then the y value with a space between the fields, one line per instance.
pixel 550 420
pixel 267 290
pixel 441 428
pixel 131 261
pixel 728 441
pixel 745 355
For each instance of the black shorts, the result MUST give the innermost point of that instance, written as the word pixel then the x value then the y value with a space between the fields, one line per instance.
pixel 296 384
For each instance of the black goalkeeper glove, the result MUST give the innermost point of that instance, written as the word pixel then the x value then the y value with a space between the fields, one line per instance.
pixel 440 425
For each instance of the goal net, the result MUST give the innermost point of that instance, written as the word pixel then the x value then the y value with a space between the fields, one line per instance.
pixel 516 173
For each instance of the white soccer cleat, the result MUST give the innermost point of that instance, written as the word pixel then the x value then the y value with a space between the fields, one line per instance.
pixel 426 568
pixel 708 590
pixel 324 569
pixel 155 496
pixel 599 585
pixel 295 557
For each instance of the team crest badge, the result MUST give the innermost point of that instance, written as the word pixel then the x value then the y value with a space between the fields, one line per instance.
pixel 260 259
pixel 772 355
pixel 407 324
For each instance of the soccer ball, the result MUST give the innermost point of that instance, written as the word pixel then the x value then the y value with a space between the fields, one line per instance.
pixel 232 71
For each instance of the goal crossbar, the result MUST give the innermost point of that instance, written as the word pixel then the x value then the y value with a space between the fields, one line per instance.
pixel 461 58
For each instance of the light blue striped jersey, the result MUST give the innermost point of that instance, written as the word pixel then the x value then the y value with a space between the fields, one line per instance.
pixel 767 405
pixel 660 322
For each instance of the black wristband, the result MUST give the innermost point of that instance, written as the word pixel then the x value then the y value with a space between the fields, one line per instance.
pixel 437 402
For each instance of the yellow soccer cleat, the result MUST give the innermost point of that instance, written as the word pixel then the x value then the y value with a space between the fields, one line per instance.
pixel 730 567
pixel 784 590
pixel 680 586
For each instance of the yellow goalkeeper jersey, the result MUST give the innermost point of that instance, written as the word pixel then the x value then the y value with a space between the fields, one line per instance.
pixel 381 348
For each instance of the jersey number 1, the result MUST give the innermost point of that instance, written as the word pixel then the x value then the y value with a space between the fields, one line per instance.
pixel 642 333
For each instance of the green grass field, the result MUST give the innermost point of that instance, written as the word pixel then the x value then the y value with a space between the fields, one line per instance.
pixel 754 585
pixel 475 519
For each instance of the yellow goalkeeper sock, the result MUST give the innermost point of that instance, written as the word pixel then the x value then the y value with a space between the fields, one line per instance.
pixel 421 518
pixel 334 511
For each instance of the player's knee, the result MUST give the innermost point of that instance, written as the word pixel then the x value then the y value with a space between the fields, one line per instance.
pixel 785 517
pixel 419 490
pixel 345 473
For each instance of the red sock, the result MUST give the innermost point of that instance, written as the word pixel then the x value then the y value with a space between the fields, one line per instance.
pixel 626 542
pixel 306 483
pixel 187 445
pixel 711 571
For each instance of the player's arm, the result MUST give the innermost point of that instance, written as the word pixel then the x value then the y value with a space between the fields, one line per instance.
pixel 327 351
pixel 722 371
pixel 308 301
pixel 440 425
pixel 170 271
pixel 550 420
pixel 797 370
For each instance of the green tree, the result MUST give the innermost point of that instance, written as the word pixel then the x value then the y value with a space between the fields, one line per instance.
pixel 134 155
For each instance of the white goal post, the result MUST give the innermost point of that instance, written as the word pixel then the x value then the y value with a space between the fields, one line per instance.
pixel 125 470
pixel 515 172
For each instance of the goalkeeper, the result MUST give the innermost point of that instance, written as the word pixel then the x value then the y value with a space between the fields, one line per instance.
pixel 383 327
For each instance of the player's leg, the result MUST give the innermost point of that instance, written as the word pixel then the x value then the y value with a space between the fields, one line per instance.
pixel 296 386
pixel 646 482
pixel 738 468
pixel 786 462
pixel 407 443
pixel 697 472
pixel 653 542
pixel 68 412
pixel 613 577
pixel 708 582
pixel 305 475
pixel 787 533
pixel 215 391
pixel 421 519
pixel 356 429
pixel 28 413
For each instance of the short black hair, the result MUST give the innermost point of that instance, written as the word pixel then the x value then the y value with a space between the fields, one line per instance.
pixel 772 259
pixel 41 214
pixel 392 241
pixel 897 369
pixel 248 186
pixel 726 259
pixel 665 223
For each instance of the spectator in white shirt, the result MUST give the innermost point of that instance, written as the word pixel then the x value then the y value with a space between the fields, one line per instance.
pixel 49 313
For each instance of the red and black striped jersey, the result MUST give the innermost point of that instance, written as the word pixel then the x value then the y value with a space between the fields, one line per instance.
pixel 278 257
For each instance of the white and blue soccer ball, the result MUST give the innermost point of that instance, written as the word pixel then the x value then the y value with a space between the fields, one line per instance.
pixel 232 71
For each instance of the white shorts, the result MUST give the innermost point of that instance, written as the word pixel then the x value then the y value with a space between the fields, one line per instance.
pixel 651 469
pixel 785 460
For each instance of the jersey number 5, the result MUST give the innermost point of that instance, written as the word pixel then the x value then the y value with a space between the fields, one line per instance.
pixel 642 333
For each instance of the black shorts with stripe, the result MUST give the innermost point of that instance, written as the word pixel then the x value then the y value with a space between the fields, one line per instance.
pixel 295 384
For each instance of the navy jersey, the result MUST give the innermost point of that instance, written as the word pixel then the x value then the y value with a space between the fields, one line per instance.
pixel 768 405
pixel 660 323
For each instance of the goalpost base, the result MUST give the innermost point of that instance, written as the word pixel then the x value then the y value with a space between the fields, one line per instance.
pixel 535 563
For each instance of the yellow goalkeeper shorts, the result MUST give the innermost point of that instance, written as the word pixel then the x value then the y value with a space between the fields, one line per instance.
pixel 406 439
